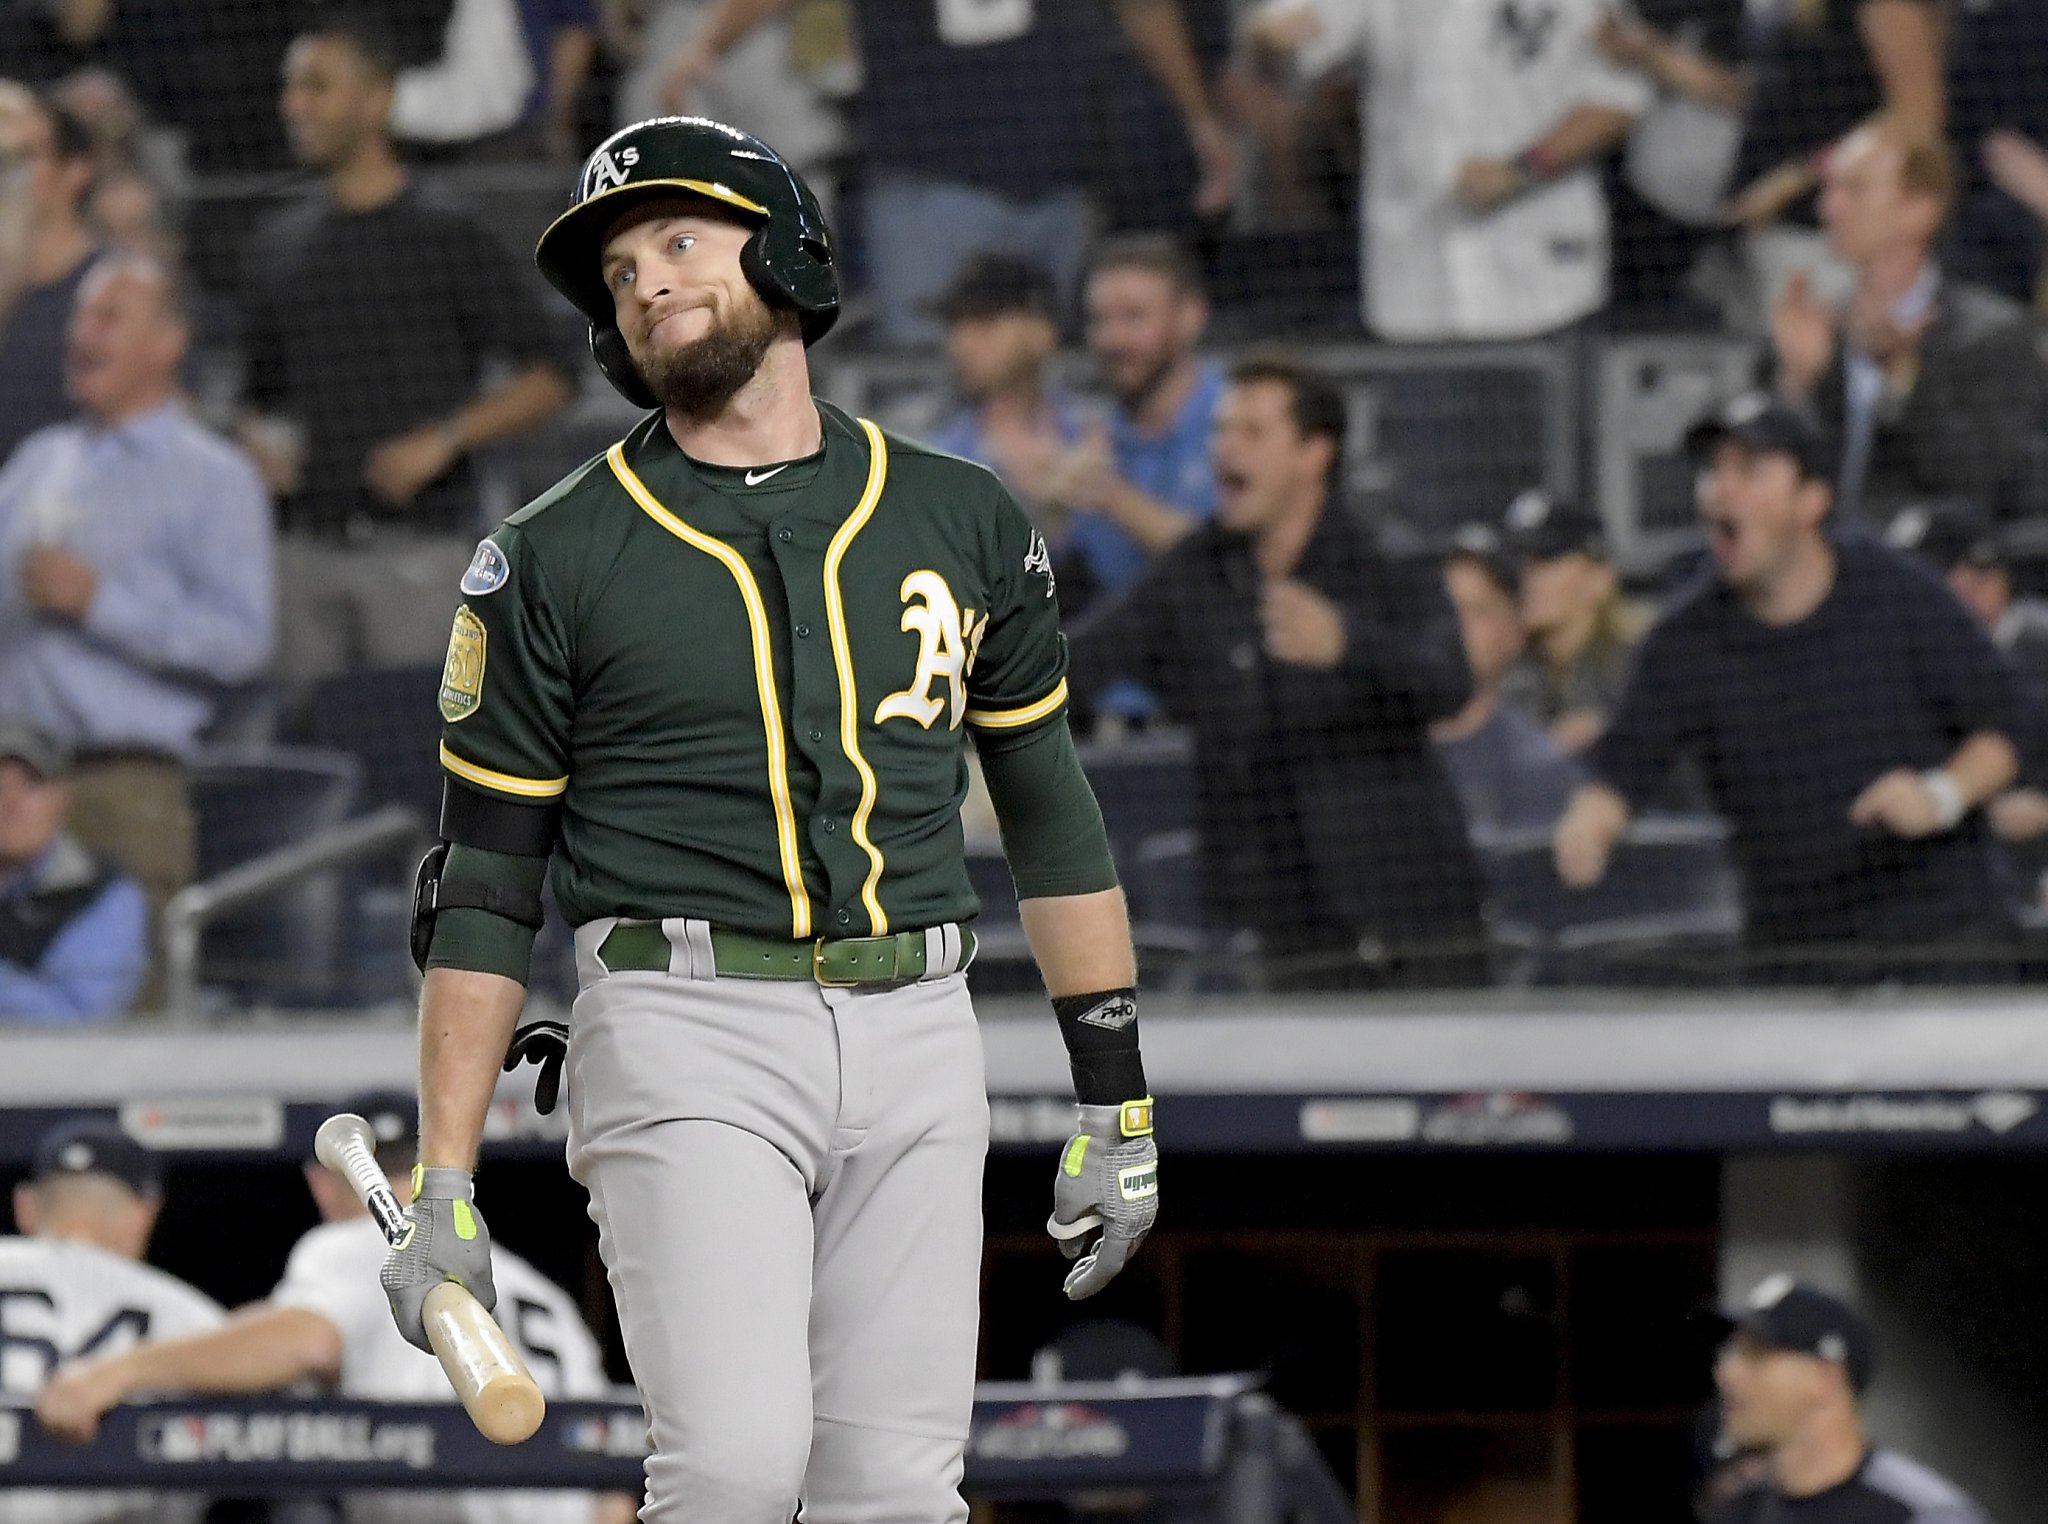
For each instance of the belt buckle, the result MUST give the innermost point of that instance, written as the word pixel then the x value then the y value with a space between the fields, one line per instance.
pixel 818 969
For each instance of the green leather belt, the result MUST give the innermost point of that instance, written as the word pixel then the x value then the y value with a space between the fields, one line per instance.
pixel 836 962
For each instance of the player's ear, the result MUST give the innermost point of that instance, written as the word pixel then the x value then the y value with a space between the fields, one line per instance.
pixel 28 1210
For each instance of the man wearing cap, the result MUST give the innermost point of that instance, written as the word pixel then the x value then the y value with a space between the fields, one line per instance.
pixel 1508 771
pixel 327 1323
pixel 74 930
pixel 1966 550
pixel 1849 718
pixel 1791 1377
pixel 1002 329
pixel 1582 632
pixel 76 1287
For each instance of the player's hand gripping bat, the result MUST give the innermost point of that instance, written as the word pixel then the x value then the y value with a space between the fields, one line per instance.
pixel 486 1372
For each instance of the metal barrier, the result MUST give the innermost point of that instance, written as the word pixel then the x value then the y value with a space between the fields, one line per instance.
pixel 193 908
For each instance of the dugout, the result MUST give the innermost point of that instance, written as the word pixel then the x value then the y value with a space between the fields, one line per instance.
pixel 1460 1243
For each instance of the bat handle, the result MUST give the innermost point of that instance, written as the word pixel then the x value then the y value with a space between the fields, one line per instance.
pixel 346 1149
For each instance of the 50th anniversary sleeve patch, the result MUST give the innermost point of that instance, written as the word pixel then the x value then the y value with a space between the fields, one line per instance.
pixel 462 676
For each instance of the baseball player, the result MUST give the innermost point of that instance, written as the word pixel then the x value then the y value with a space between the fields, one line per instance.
pixel 722 676
pixel 325 1323
pixel 73 1286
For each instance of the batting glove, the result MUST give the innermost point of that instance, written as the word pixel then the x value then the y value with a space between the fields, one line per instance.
pixel 446 1242
pixel 545 1043
pixel 1105 1197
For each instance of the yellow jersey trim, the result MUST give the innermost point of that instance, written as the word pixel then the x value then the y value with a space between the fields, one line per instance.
pixel 764 679
pixel 842 657
pixel 1010 719
pixel 503 783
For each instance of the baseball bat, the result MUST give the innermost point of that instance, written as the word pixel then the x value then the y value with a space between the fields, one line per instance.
pixel 489 1378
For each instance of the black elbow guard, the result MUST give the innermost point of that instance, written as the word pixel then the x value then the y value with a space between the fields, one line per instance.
pixel 432 894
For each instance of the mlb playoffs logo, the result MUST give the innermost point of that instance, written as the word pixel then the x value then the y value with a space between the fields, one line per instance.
pixel 607 169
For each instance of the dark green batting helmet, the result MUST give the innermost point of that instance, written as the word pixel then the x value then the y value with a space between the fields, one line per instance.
pixel 789 260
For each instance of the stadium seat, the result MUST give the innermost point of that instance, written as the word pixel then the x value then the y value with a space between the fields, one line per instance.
pixel 385 718
pixel 287 950
pixel 1668 900
pixel 1146 787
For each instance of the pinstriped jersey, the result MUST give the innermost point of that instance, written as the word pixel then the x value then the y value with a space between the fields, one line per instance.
pixel 747 692
pixel 62 1300
pixel 333 1271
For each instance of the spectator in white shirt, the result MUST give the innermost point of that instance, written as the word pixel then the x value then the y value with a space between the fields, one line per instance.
pixel 1484 123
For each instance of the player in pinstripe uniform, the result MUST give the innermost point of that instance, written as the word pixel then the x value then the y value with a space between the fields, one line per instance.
pixel 73 1286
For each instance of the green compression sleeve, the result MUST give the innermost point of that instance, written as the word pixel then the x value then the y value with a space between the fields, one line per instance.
pixel 1052 827
pixel 477 939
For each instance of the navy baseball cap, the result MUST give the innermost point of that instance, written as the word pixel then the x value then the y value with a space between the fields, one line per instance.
pixel 87 1146
pixel 1795 1315
pixel 394 1118
pixel 1481 545
pixel 1768 425
pixel 1946 535
pixel 1540 527
pixel 990 285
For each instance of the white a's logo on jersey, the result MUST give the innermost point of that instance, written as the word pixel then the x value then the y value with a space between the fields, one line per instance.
pixel 948 640
pixel 607 169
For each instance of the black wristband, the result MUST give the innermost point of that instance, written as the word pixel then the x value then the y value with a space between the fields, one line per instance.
pixel 1101 1034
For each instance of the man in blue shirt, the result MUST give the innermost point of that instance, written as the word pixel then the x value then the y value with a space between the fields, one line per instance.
pixel 1140 484
pixel 135 574
pixel 74 932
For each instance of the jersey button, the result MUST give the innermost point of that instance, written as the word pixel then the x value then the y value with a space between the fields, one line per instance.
pixel 784 536
pixel 831 826
pixel 817 734
pixel 803 632
pixel 843 917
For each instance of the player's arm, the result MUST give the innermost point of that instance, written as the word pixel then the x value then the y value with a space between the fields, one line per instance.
pixel 260 1348
pixel 1105 1196
pixel 506 694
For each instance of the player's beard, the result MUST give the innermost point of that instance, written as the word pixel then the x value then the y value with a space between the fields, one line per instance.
pixel 700 377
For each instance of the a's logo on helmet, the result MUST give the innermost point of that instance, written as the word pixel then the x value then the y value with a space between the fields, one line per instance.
pixel 607 169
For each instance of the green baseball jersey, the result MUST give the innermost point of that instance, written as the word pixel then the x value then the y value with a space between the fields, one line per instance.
pixel 746 692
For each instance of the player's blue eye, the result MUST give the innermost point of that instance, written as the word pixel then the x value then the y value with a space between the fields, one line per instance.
pixel 622 277
pixel 682 242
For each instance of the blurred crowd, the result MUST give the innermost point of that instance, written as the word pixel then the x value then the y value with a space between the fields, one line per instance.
pixel 227 482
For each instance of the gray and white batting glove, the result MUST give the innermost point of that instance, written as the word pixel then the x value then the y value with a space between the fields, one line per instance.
pixel 1105 1197
pixel 446 1242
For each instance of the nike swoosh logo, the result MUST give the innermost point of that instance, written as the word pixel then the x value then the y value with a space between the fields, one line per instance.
pixel 755 478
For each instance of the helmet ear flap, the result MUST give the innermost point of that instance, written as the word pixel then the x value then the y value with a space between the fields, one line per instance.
pixel 791 268
pixel 608 348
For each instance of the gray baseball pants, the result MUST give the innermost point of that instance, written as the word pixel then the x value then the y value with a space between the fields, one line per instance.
pixel 786 1182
